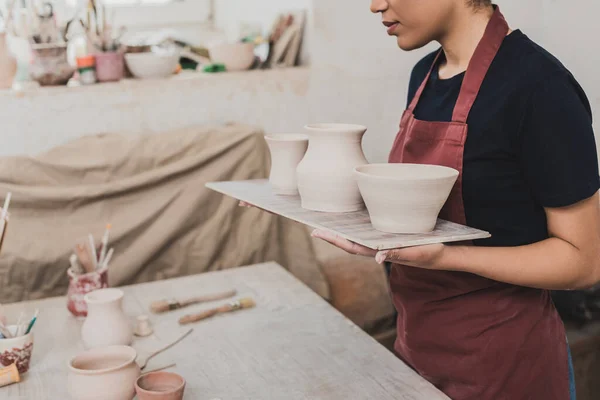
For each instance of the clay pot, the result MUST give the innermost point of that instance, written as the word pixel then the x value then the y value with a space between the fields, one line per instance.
pixel 8 64
pixel 325 175
pixel 160 386
pixel 286 153
pixel 405 198
pixel 106 323
pixel 50 65
pixel 16 350
pixel 104 373
pixel 110 66
pixel 80 285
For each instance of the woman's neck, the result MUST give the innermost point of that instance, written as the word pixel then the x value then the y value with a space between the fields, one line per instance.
pixel 461 39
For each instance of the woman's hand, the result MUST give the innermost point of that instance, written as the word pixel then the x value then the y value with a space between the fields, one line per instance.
pixel 428 256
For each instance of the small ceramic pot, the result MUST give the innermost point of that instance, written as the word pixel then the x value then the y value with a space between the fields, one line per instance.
pixel 286 153
pixel 80 285
pixel 405 198
pixel 50 65
pixel 106 323
pixel 16 350
pixel 104 373
pixel 326 179
pixel 110 66
pixel 160 386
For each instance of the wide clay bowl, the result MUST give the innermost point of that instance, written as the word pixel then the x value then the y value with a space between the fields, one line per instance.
pixel 404 198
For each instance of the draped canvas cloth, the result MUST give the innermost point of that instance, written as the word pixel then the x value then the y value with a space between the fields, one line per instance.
pixel 165 223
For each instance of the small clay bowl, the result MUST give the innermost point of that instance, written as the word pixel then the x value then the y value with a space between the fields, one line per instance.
pixel 160 386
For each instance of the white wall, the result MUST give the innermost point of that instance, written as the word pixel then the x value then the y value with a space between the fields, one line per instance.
pixel 357 75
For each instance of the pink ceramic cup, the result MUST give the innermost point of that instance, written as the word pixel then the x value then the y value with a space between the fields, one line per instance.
pixel 110 66
pixel 160 386
pixel 80 285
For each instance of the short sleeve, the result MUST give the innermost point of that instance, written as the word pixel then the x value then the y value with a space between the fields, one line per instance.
pixel 558 147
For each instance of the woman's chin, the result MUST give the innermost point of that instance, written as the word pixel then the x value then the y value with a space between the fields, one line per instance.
pixel 407 43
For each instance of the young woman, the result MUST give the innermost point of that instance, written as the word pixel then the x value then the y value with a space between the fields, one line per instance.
pixel 476 319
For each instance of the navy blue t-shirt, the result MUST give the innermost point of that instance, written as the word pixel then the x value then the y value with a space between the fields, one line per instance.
pixel 530 142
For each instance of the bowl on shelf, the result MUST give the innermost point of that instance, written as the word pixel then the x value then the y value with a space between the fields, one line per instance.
pixel 152 65
pixel 235 56
pixel 404 198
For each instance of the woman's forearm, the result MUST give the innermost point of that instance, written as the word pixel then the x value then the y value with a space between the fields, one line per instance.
pixel 551 264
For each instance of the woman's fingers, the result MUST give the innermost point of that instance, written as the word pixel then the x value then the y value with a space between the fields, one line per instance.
pixel 244 204
pixel 344 244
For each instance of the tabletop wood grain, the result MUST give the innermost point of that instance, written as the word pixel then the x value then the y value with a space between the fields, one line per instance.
pixel 292 345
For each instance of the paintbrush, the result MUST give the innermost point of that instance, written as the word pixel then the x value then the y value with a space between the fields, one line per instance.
pixel 233 306
pixel 93 253
pixel 4 218
pixel 104 245
pixel 168 305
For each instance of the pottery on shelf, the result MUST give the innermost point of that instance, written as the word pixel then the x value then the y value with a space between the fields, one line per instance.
pixel 106 323
pixel 16 350
pixel 50 65
pixel 110 66
pixel 104 373
pixel 405 198
pixel 8 64
pixel 325 176
pixel 160 386
pixel 235 56
pixel 286 153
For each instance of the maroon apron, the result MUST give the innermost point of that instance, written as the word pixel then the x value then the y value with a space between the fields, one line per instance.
pixel 472 337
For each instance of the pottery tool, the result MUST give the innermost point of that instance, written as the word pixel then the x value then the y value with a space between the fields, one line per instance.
pixel 108 258
pixel 168 305
pixel 75 265
pixel 30 326
pixel 5 332
pixel 93 253
pixel 3 218
pixel 160 369
pixel 157 352
pixel 84 257
pixel 104 244
pixel 233 306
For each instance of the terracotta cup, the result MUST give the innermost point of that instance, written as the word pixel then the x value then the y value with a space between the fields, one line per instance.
pixel 16 350
pixel 160 386
pixel 104 373
pixel 80 285
pixel 110 66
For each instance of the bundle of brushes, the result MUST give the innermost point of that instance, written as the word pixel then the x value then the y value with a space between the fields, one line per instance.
pixel 88 258
pixel 21 328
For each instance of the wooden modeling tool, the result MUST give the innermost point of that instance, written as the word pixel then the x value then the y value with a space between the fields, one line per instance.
pixel 168 305
pixel 233 306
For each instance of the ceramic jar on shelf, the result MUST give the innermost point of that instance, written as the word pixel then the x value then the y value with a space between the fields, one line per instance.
pixel 325 175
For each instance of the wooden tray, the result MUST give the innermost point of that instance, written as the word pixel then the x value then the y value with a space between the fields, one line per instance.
pixel 355 226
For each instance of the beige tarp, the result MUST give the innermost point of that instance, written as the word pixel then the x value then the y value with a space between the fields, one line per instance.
pixel 151 188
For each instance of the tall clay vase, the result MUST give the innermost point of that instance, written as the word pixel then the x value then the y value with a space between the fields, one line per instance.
pixel 106 323
pixel 286 153
pixel 326 179
pixel 8 64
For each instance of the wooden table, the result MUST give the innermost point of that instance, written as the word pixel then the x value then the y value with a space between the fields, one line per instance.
pixel 293 345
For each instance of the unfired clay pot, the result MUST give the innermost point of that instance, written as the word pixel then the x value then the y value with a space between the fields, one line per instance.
pixel 160 386
pixel 286 153
pixel 106 323
pixel 405 198
pixel 8 64
pixel 104 373
pixel 325 175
